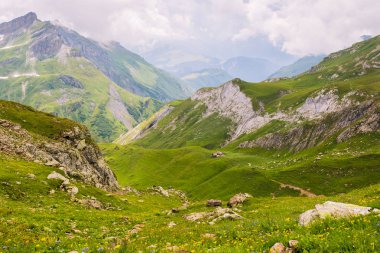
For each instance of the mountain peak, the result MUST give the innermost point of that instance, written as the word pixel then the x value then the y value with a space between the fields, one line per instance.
pixel 17 23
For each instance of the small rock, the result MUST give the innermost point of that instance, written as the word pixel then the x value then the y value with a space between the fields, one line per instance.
pixel 56 175
pixel 160 190
pixel 278 248
pixel 214 216
pixel 217 154
pixel 213 202
pixel 209 235
pixel 171 224
pixel 18 182
pixel 72 190
pixel 238 199
pixel 293 244
pixel 52 191
pixel 31 176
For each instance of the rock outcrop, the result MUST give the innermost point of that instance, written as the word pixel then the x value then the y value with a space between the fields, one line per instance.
pixel 238 199
pixel 18 23
pixel 352 120
pixel 214 216
pixel 73 152
pixel 228 101
pixel 334 210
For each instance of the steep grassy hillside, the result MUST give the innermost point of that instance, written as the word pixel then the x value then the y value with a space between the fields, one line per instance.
pixel 319 131
pixel 104 86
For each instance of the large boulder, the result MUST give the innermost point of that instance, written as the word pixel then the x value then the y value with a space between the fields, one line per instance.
pixel 238 199
pixel 334 210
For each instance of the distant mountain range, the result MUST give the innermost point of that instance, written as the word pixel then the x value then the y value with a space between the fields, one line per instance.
pixel 298 67
pixel 57 70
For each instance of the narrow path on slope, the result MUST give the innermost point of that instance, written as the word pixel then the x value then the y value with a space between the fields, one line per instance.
pixel 303 192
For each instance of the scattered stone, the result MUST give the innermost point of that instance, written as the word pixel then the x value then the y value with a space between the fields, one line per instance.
pixel 213 202
pixel 92 203
pixel 18 182
pixel 238 199
pixel 171 224
pixel 72 190
pixel 160 190
pixel 278 248
pixel 214 216
pixel 334 210
pixel 31 176
pixel 217 154
pixel 293 244
pixel 136 228
pixel 56 175
pixel 52 191
pixel 209 236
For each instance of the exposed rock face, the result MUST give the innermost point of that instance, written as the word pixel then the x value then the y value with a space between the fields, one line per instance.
pixel 71 81
pixel 20 22
pixel 325 101
pixel 46 45
pixel 238 199
pixel 306 135
pixel 334 210
pixel 73 152
pixel 118 109
pixel 228 101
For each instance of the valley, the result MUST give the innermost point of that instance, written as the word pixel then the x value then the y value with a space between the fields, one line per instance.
pixel 100 151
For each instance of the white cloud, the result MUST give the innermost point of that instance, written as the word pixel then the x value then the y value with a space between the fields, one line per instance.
pixel 303 27
pixel 298 27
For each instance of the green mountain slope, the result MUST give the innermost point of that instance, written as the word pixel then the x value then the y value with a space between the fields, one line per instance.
pixel 53 183
pixel 104 86
pixel 319 131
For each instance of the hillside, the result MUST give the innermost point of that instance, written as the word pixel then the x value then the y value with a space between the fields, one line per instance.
pixel 55 69
pixel 317 131
pixel 298 67
pixel 53 189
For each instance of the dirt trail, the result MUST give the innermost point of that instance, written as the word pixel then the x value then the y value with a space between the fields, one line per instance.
pixel 303 192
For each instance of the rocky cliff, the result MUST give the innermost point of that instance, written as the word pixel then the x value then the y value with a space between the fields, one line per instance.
pixel 71 149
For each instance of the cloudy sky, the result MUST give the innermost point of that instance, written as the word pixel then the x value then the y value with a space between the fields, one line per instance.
pixel 276 29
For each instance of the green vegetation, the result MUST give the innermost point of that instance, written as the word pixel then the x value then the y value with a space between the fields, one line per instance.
pixel 34 121
pixel 53 223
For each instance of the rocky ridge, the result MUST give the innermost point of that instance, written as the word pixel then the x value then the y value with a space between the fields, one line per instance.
pixel 228 101
pixel 73 152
